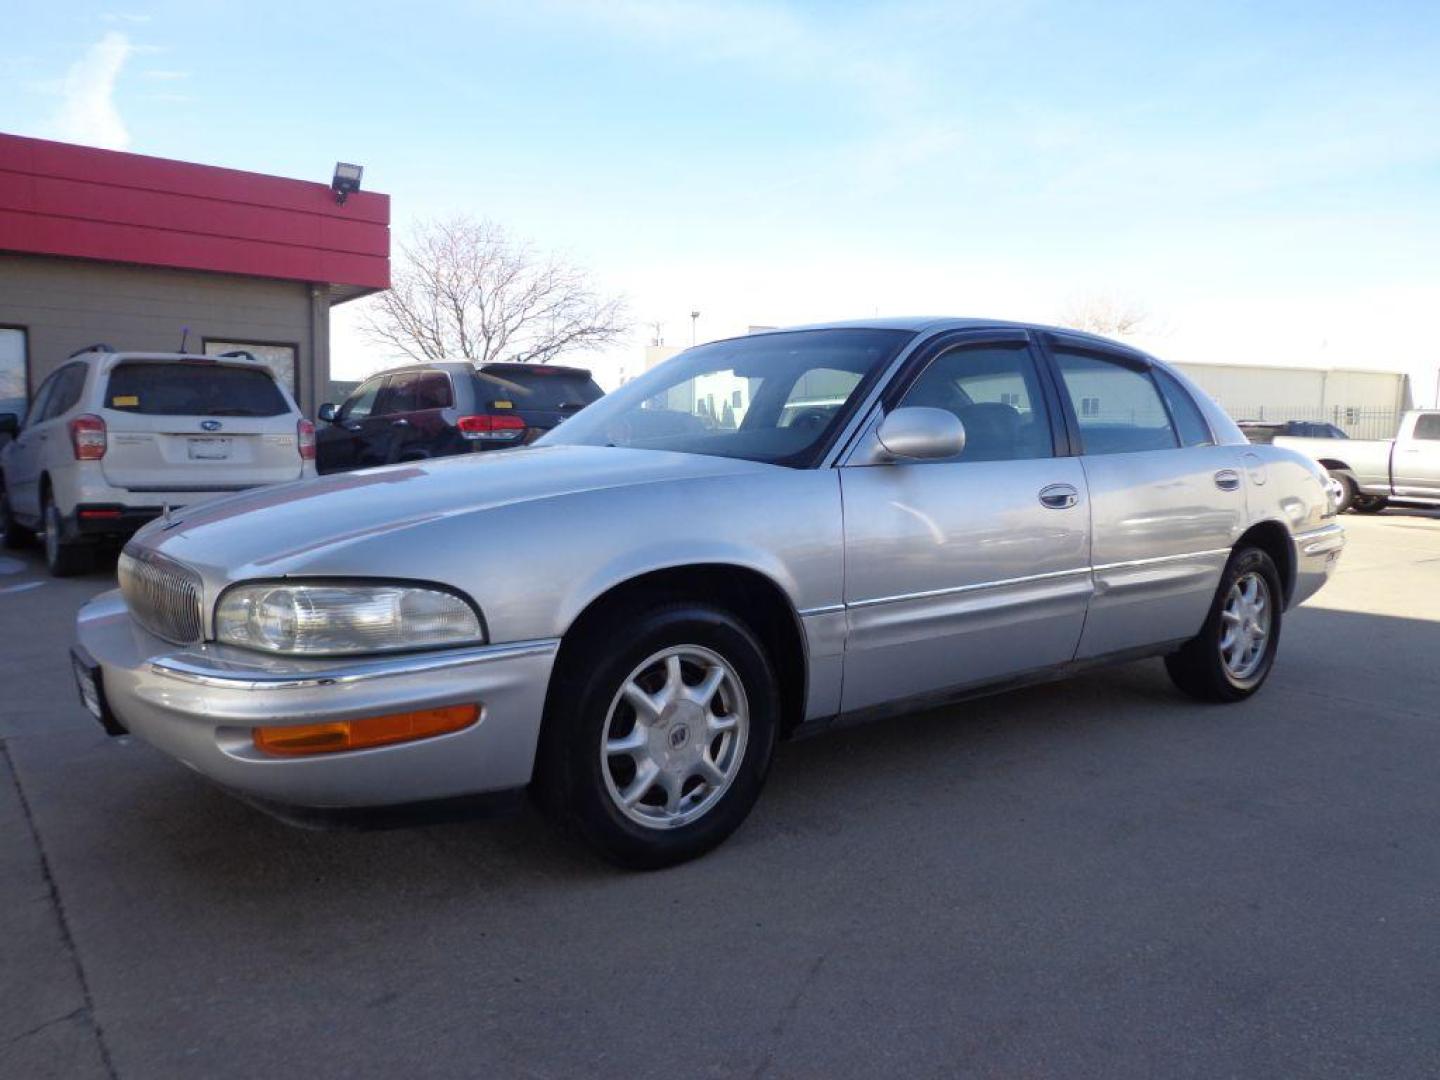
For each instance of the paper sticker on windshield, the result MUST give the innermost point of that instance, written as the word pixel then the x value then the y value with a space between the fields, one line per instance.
pixel 124 401
pixel 504 404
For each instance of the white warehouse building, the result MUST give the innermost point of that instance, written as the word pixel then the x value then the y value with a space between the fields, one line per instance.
pixel 1365 403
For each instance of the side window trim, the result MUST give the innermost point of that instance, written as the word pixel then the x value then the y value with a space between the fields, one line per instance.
pixel 919 362
pixel 1118 355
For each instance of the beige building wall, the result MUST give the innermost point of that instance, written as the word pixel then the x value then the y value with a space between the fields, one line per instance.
pixel 65 305
pixel 1303 393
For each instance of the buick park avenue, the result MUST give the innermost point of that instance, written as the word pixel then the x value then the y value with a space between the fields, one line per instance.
pixel 759 537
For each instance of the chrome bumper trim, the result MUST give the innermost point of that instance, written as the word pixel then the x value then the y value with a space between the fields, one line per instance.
pixel 207 671
pixel 1322 541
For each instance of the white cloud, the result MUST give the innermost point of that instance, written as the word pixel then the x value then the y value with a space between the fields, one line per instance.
pixel 88 113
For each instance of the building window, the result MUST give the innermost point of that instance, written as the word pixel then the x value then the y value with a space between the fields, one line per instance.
pixel 1089 406
pixel 279 356
pixel 13 389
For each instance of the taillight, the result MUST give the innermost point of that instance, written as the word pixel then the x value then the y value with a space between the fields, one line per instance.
pixel 305 440
pixel 87 437
pixel 491 428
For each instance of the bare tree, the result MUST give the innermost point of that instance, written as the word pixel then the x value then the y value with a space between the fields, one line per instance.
pixel 466 290
pixel 1099 313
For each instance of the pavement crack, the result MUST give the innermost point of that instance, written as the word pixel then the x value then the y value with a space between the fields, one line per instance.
pixel 59 905
pixel 45 1024
pixel 787 1014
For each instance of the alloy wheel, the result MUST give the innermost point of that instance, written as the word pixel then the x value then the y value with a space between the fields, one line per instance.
pixel 1245 626
pixel 674 737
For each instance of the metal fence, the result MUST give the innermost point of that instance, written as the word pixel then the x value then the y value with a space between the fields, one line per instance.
pixel 1365 422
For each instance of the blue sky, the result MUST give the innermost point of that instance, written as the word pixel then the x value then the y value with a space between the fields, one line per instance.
pixel 1262 177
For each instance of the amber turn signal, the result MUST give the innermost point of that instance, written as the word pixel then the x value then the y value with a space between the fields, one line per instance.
pixel 337 735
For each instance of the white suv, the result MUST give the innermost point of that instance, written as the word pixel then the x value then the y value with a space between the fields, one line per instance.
pixel 113 438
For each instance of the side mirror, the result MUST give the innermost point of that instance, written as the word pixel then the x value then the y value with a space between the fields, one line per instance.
pixel 920 433
pixel 9 424
pixel 326 413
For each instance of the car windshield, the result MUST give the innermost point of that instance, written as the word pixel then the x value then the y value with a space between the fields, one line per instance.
pixel 193 388
pixel 771 397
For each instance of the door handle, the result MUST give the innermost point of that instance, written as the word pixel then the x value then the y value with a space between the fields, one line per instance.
pixel 402 422
pixel 353 426
pixel 1059 496
pixel 1227 480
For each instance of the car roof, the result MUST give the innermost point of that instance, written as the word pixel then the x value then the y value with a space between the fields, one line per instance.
pixel 935 323
pixel 507 367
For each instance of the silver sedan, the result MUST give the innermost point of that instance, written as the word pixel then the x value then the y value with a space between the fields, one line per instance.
pixel 760 537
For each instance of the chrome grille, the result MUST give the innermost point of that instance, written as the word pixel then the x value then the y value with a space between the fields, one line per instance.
pixel 163 596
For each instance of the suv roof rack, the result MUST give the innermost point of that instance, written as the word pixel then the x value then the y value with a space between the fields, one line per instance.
pixel 99 346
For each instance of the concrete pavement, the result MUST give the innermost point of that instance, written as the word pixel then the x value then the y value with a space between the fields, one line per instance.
pixel 1092 878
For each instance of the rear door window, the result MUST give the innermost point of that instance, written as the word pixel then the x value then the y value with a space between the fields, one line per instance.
pixel 398 395
pixel 1427 426
pixel 432 390
pixel 65 394
pixel 41 400
pixel 161 388
pixel 1118 406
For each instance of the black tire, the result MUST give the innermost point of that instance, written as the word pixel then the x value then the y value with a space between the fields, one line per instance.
pixel 63 557
pixel 1368 504
pixel 1348 488
pixel 571 775
pixel 1199 668
pixel 17 536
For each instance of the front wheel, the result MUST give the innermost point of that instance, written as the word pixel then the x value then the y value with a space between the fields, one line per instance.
pixel 1233 653
pixel 654 751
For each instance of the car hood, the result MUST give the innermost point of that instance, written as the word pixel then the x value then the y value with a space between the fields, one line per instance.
pixel 268 527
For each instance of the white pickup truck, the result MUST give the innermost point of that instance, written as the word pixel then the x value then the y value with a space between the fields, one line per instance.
pixel 1375 471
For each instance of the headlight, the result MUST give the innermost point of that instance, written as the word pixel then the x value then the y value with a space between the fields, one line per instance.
pixel 330 619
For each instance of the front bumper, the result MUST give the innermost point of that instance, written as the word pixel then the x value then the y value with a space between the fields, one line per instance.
pixel 199 704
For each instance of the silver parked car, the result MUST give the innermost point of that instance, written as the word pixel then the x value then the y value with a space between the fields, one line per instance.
pixel 759 537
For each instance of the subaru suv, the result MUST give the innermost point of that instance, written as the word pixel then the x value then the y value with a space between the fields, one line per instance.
pixel 434 410
pixel 112 439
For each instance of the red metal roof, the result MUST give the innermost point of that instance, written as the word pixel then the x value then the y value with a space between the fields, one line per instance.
pixel 75 201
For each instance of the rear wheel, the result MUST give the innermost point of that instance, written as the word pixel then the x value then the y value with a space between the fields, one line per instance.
pixel 654 751
pixel 1233 653
pixel 1368 504
pixel 64 558
pixel 16 535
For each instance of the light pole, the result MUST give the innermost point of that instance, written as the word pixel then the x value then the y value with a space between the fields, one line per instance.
pixel 694 322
